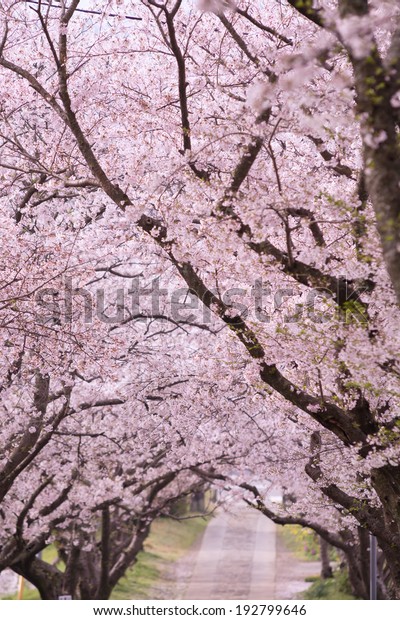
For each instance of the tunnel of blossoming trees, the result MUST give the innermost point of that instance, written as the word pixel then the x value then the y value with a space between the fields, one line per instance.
pixel 199 281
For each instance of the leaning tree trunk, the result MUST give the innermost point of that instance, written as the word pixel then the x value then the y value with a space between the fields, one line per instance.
pixel 46 578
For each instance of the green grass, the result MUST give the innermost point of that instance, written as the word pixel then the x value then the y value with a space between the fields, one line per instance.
pixel 301 541
pixel 168 541
pixel 29 595
pixel 138 579
pixel 335 589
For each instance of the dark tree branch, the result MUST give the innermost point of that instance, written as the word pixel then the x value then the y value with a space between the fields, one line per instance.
pixel 182 85
pixel 305 8
pixel 332 538
pixel 258 24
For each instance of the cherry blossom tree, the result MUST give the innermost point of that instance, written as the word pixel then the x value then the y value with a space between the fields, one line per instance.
pixel 94 463
pixel 106 436
pixel 254 150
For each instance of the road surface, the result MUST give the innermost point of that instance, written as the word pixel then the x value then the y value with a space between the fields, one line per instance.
pixel 236 559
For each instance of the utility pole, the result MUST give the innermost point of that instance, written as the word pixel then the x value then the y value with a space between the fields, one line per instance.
pixel 373 568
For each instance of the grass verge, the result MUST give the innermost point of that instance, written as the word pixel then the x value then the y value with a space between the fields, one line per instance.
pixel 335 589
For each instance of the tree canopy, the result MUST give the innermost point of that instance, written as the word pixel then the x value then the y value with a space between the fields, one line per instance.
pixel 200 276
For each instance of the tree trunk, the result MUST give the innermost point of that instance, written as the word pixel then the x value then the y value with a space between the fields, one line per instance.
pixel 104 590
pixel 392 556
pixel 46 578
pixel 359 588
pixel 386 482
pixel 326 569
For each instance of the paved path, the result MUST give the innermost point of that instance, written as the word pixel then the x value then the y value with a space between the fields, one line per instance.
pixel 236 559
